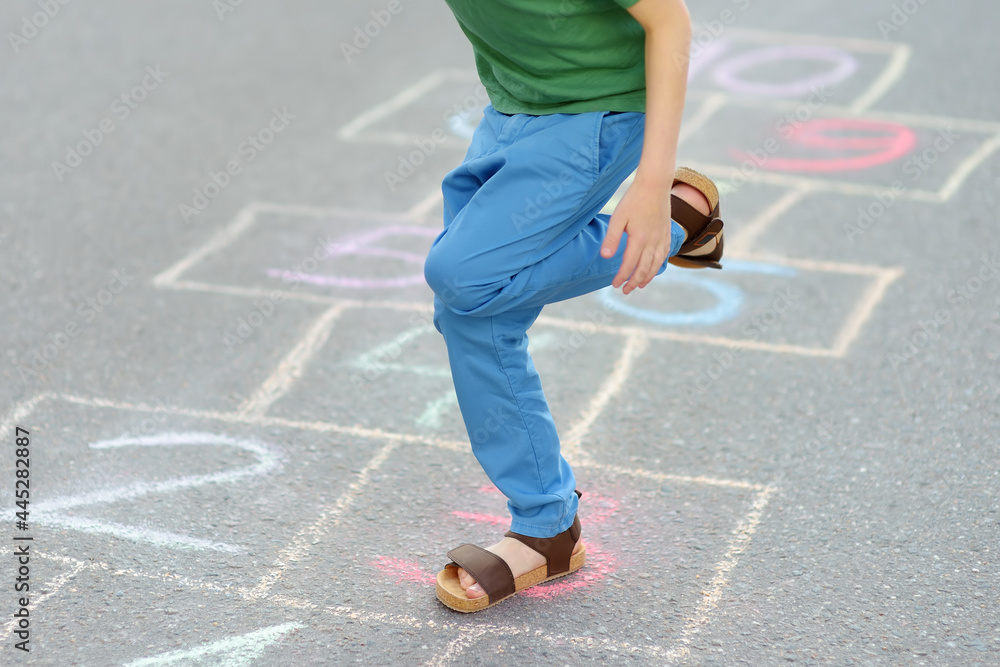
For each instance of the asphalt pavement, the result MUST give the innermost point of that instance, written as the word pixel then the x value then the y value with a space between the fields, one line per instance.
pixel 230 422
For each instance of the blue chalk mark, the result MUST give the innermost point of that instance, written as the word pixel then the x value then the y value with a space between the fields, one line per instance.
pixel 728 298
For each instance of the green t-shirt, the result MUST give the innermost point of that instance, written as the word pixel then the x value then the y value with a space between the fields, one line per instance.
pixel 556 56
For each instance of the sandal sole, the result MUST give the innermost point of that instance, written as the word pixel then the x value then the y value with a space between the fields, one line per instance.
pixel 449 590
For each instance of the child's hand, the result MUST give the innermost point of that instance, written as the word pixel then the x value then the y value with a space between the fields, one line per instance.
pixel 643 214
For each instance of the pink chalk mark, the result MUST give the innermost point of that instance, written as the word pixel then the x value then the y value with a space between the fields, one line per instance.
pixel 403 571
pixel 883 141
pixel 599 564
pixel 597 568
pixel 482 518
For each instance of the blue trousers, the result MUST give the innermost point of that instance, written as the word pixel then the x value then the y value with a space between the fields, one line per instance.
pixel 522 230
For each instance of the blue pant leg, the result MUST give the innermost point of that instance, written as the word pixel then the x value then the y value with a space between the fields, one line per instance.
pixel 507 417
pixel 529 235
pixel 532 233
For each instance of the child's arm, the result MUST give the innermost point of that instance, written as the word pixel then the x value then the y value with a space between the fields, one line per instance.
pixel 644 211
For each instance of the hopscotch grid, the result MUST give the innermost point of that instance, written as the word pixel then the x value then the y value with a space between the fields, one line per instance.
pixel 877 273
pixel 252 412
pixel 899 55
pixel 331 517
pixel 400 620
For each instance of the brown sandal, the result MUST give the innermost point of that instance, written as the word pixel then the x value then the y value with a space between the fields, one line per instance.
pixel 701 228
pixel 494 576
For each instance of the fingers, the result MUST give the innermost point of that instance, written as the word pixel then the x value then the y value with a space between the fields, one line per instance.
pixel 642 274
pixel 614 236
pixel 629 261
pixel 645 269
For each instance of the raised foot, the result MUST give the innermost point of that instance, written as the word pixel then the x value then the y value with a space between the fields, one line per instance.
pixel 695 198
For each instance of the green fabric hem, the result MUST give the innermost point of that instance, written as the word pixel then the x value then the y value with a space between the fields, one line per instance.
pixel 630 103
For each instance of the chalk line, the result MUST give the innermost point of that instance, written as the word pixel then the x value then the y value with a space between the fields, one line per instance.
pixel 423 208
pixel 672 477
pixel 808 183
pixel 436 409
pixel 351 214
pixel 328 518
pixel 403 98
pixel 708 107
pixel 291 368
pixel 220 240
pixel 159 538
pixel 267 461
pixel 742 536
pixel 239 651
pixel 51 587
pixel 16 416
pixel 849 43
pixel 355 432
pixel 457 646
pixel 391 349
pixel 893 71
pixel 47 512
pixel 839 110
pixel 864 310
pixel 572 447
pixel 966 167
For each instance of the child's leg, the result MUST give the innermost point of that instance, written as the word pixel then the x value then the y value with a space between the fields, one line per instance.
pixel 522 227
pixel 522 230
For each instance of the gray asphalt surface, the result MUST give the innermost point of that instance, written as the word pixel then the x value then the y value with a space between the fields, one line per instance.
pixel 226 474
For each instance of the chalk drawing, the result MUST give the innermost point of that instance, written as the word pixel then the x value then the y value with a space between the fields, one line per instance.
pixel 728 298
pixel 362 246
pixel 881 141
pixel 239 651
pixel 49 512
pixel 727 73
pixel 703 56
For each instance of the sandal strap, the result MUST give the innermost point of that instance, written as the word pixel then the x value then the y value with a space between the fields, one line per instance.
pixel 557 550
pixel 489 570
pixel 701 228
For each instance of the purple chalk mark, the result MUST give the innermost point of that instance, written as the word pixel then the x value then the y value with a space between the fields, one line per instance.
pixel 351 283
pixel 361 246
pixel 705 57
pixel 728 73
